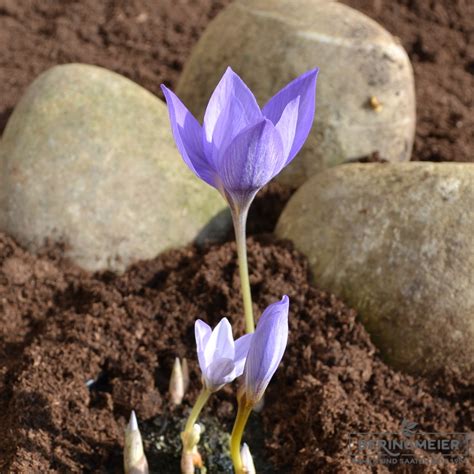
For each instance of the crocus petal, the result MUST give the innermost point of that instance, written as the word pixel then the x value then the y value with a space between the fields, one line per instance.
pixel 303 87
pixel 202 333
pixel 242 345
pixel 220 372
pixel 231 89
pixel 231 121
pixel 266 349
pixel 251 160
pixel 187 134
pixel 221 343
pixel 286 126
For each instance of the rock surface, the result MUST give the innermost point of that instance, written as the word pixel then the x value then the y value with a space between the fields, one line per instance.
pixel 396 241
pixel 270 42
pixel 87 158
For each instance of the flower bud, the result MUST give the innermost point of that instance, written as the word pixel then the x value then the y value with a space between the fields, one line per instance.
pixel 266 350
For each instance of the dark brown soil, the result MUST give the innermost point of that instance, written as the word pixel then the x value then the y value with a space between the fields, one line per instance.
pixel 62 327
pixel 79 351
pixel 145 40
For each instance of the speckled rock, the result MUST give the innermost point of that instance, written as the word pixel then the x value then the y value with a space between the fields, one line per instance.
pixel 270 42
pixel 396 241
pixel 87 158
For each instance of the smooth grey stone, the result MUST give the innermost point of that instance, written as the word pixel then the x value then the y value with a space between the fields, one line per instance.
pixel 87 158
pixel 396 241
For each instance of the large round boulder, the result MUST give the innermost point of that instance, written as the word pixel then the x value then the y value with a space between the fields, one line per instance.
pixel 365 97
pixel 87 159
pixel 396 241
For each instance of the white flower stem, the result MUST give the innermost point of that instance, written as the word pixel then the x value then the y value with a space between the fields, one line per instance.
pixel 239 217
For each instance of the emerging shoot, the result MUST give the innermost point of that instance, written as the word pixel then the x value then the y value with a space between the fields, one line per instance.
pixel 134 460
pixel 176 388
pixel 247 460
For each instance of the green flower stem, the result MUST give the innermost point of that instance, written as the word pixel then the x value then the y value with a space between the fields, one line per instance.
pixel 189 437
pixel 239 218
pixel 243 414
pixel 198 406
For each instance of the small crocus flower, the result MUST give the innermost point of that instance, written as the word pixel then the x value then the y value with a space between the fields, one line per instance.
pixel 240 147
pixel 221 359
pixel 266 350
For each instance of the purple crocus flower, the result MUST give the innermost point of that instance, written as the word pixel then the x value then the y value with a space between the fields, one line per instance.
pixel 240 147
pixel 220 358
pixel 266 350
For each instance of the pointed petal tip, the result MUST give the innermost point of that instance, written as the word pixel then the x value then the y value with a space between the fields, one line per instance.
pixel 314 73
pixel 311 73
pixel 201 325
pixel 230 72
pixel 225 321
pixel 166 92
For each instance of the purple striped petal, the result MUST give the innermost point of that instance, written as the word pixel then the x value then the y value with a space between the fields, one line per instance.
pixel 303 87
pixel 266 349
pixel 251 160
pixel 187 134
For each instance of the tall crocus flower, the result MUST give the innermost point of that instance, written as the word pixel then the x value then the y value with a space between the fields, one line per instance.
pixel 240 147
pixel 221 360
pixel 266 350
